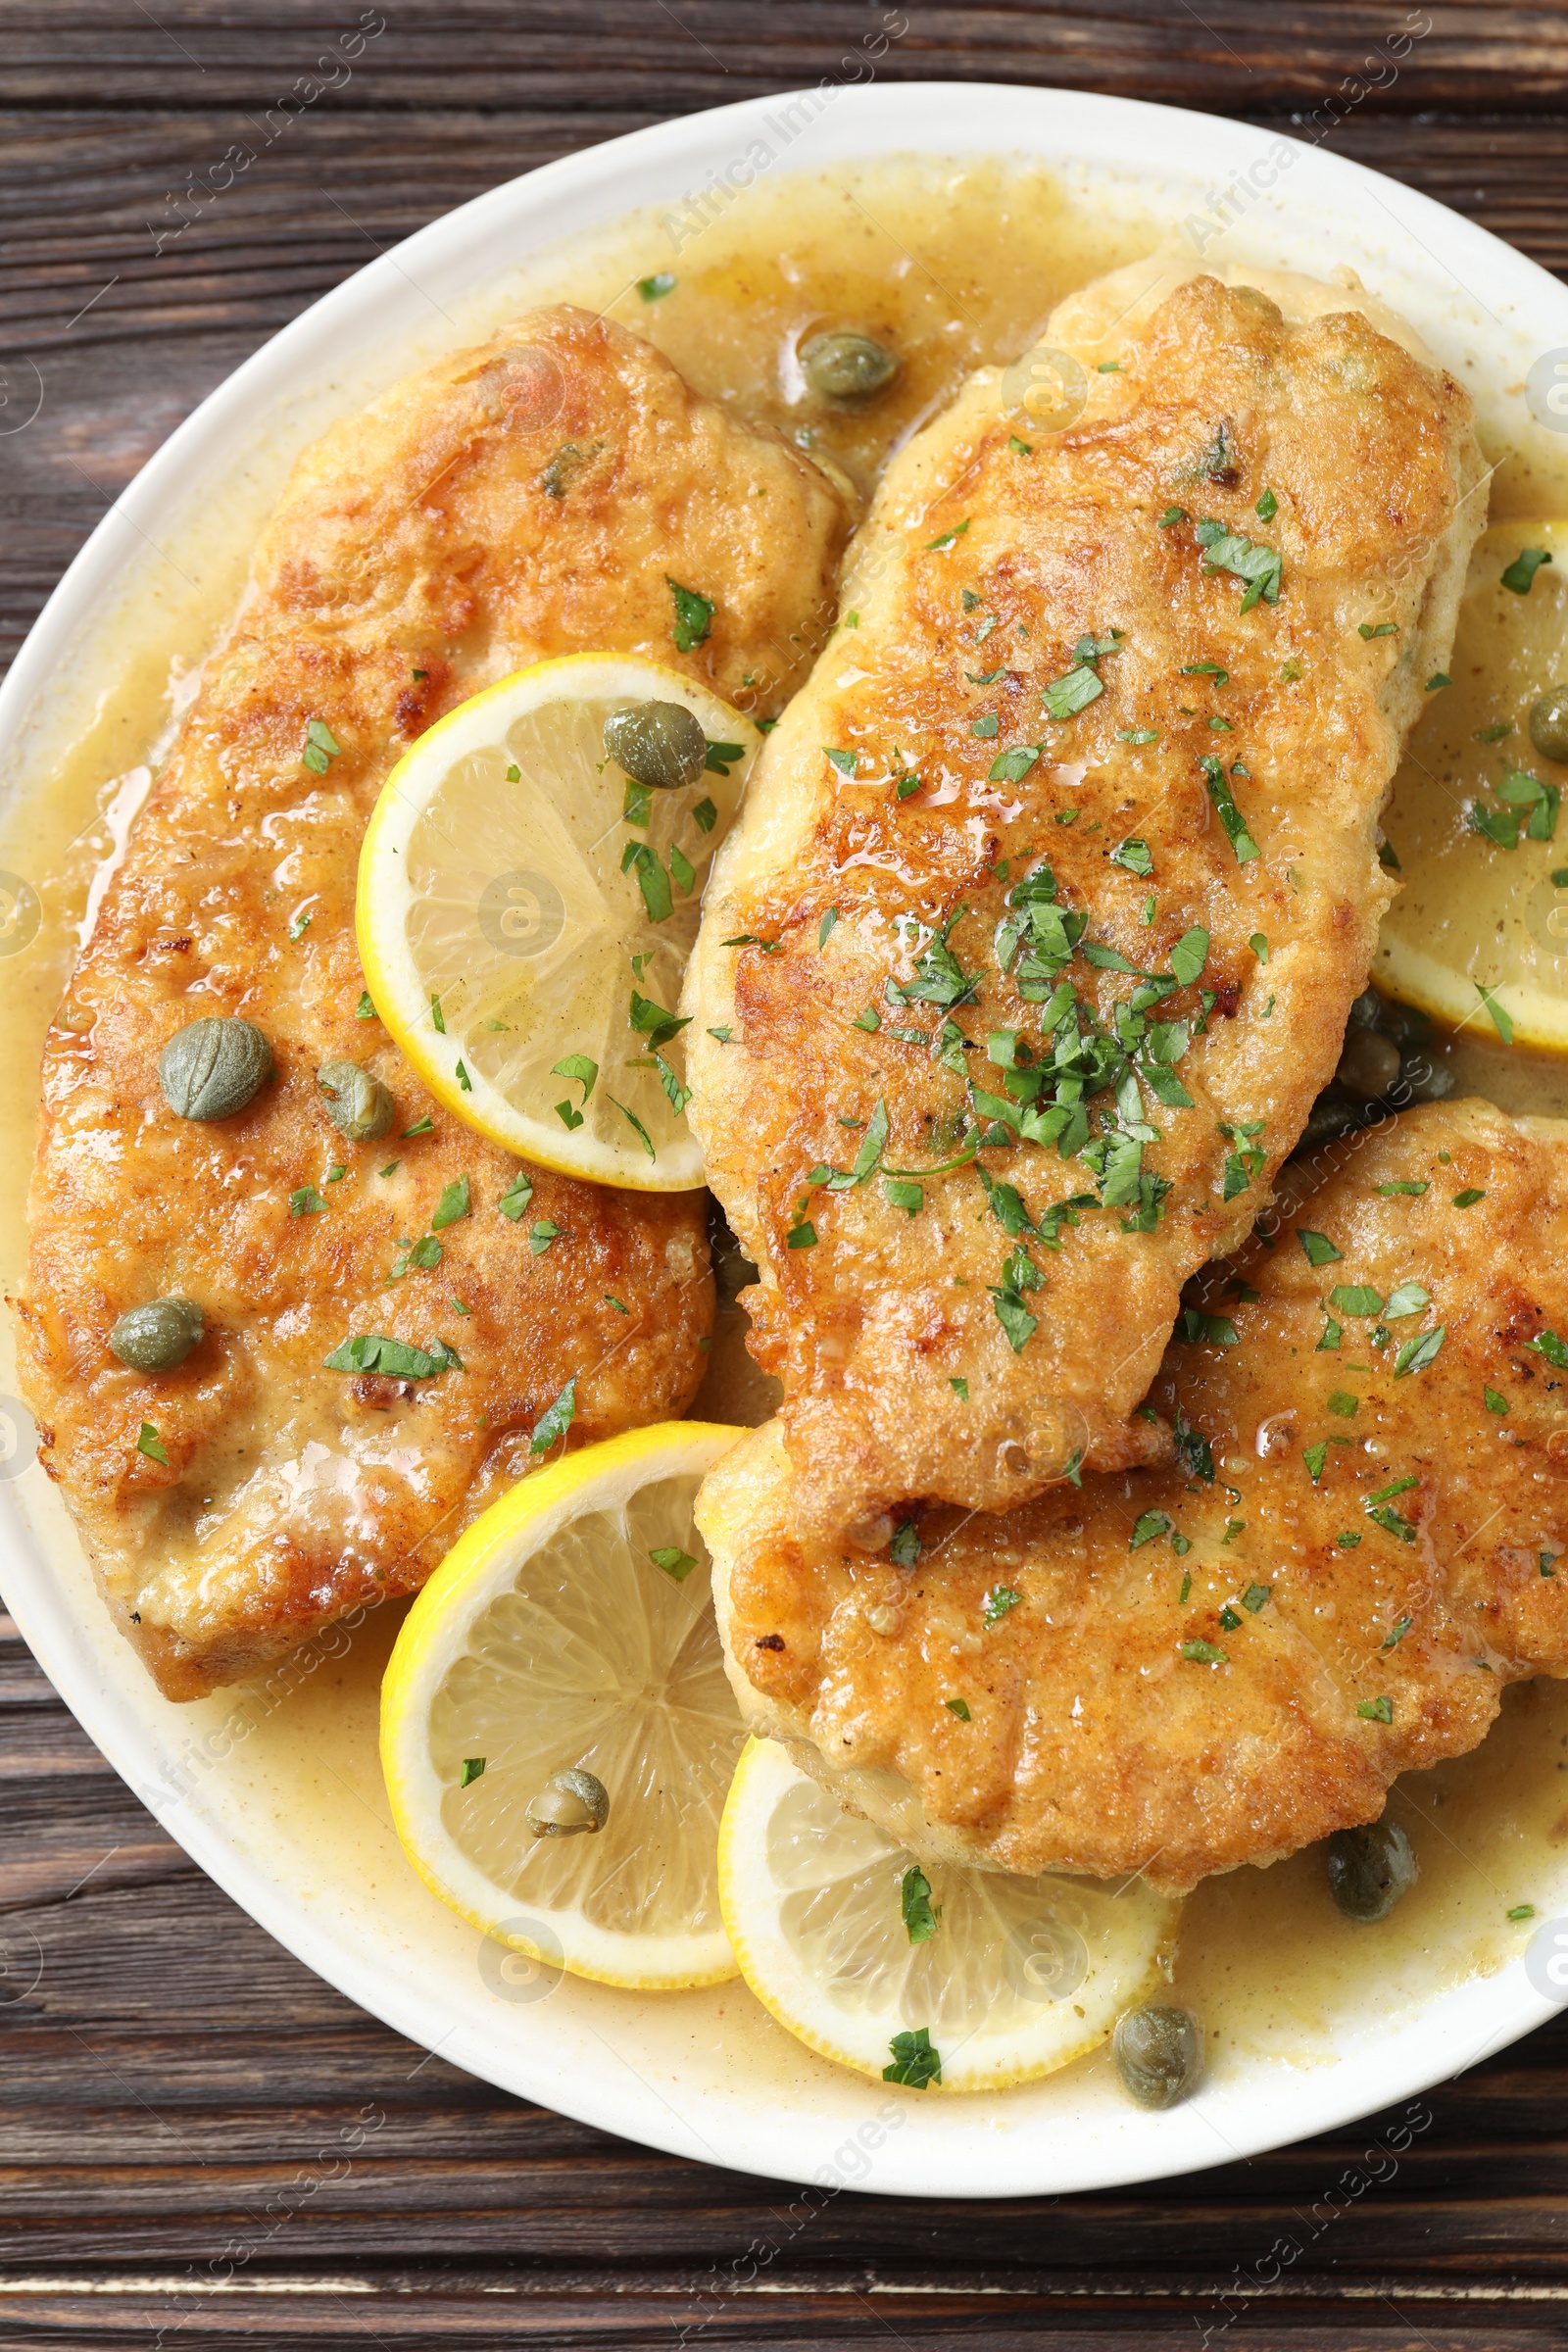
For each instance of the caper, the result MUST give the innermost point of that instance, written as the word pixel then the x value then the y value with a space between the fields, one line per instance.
pixel 1368 1011
pixel 569 1803
pixel 211 1068
pixel 1331 1116
pixel 1159 2054
pixel 1368 1065
pixel 1423 1079
pixel 358 1104
pixel 1369 1868
pixel 1548 723
pixel 660 744
pixel 159 1336
pixel 847 366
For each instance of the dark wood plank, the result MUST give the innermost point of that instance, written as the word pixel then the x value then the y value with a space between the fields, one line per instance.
pixel 490 57
pixel 200 2142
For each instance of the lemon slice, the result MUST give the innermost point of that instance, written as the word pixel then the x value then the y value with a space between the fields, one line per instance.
pixel 1019 1976
pixel 503 934
pixel 1472 909
pixel 567 1631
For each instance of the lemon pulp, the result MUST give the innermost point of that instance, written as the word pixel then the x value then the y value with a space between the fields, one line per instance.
pixel 520 899
pixel 553 1638
pixel 1018 1978
pixel 1472 909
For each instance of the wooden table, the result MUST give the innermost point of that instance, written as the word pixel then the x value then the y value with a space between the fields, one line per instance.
pixel 174 2084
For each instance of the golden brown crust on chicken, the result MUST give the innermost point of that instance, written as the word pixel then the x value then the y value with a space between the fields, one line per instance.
pixel 421 549
pixel 1201 1671
pixel 994 549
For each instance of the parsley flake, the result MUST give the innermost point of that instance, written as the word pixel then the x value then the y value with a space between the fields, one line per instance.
pixel 914 1900
pixel 555 1422
pixel 1520 575
pixel 915 2063
pixel 694 617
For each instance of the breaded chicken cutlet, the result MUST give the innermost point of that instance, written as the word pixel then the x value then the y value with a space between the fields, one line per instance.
pixel 527 498
pixel 1176 1670
pixel 1037 939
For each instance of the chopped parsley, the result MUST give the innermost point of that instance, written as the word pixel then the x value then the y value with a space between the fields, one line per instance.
pixel 1469 1197
pixel 1407 1300
pixel 652 880
pixel 946 539
pixel 541 1232
pixel 914 1901
pixel 149 1443
pixel 1417 1354
pixel 374 1351
pixel 1227 551
pixel 472 1770
pixel 365 1010
pixel 1500 1020
pixel 674 1562
pixel 1074 691
pixel 998 1601
pixel 1149 1526
pixel 452 1204
pixel 1010 767
pixel 321 746
pixel 1204 1654
pixel 915 2061
pixel 694 617
pixel 959 1707
pixel 1377 1710
pixel 1135 855
pixel 1230 816
pixel 306 1202
pixel 904 1548
pixel 517 1197
pixel 1520 575
pixel 555 1422
pixel 651 288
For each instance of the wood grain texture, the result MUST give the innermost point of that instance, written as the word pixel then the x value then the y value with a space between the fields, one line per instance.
pixel 200 2143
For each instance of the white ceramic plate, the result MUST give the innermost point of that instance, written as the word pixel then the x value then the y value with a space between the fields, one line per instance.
pixel 305 1845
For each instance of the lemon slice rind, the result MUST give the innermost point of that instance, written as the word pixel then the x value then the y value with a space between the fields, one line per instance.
pixel 453 826
pixel 1021 1976
pixel 433 1657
